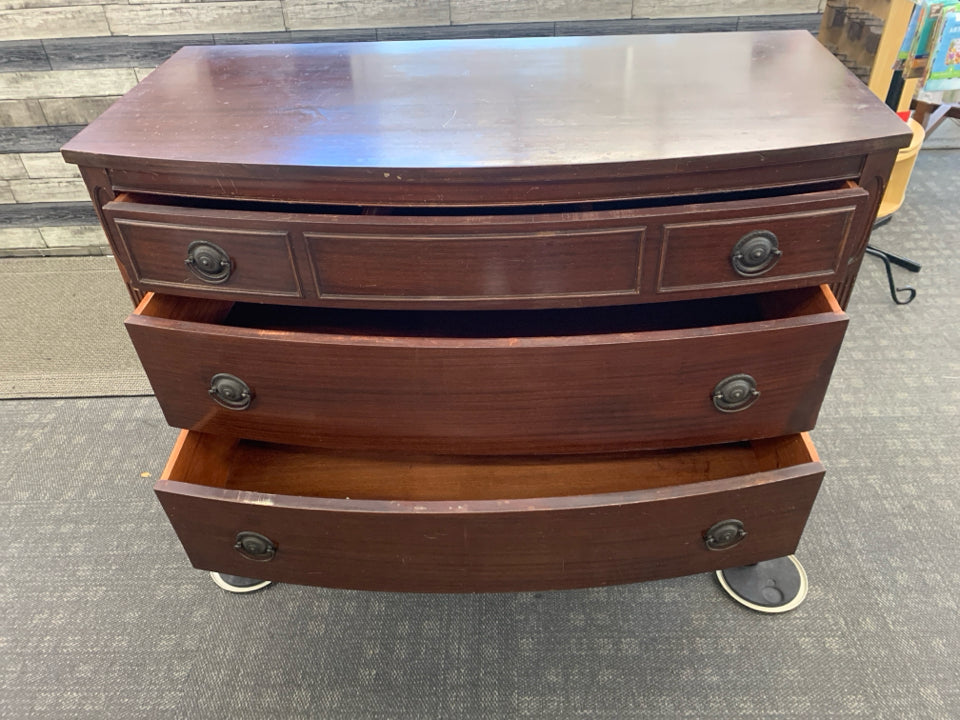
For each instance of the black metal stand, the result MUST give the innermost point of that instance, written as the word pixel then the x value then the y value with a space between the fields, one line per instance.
pixel 237 584
pixel 889 259
pixel 771 586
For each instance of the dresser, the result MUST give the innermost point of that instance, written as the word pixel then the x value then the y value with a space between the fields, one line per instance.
pixel 491 315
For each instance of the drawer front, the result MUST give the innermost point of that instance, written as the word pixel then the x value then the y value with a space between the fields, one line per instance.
pixel 206 260
pixel 601 254
pixel 809 243
pixel 489 545
pixel 492 395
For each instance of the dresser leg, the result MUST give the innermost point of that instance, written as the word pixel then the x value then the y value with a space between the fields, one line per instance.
pixel 237 584
pixel 771 586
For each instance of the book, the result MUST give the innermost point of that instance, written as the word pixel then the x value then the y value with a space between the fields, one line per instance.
pixel 943 67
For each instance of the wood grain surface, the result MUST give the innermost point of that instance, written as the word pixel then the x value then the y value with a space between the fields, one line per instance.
pixel 583 254
pixel 446 110
pixel 469 545
pixel 495 383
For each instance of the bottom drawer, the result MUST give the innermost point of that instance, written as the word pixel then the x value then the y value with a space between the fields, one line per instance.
pixel 469 524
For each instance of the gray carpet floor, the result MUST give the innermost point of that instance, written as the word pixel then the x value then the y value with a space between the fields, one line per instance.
pixel 103 618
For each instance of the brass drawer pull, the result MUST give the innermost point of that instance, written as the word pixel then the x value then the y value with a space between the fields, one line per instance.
pixel 735 393
pixel 230 391
pixel 255 546
pixel 755 253
pixel 209 262
pixel 724 534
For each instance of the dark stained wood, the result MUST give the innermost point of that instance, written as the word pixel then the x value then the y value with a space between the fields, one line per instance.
pixel 262 261
pixel 497 383
pixel 812 237
pixel 530 543
pixel 101 193
pixel 460 422
pixel 499 186
pixel 876 173
pixel 578 255
pixel 531 111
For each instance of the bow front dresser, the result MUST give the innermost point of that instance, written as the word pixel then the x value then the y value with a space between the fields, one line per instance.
pixel 491 315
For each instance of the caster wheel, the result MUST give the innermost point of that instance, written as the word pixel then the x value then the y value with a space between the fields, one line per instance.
pixel 237 584
pixel 772 586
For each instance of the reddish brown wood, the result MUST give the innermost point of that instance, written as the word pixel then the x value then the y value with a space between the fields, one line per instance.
pixel 497 384
pixel 494 545
pixel 472 175
pixel 508 117
pixel 876 172
pixel 576 256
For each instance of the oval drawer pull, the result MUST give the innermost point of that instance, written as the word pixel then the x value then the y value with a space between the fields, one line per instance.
pixel 208 262
pixel 735 393
pixel 755 253
pixel 230 391
pixel 724 534
pixel 255 546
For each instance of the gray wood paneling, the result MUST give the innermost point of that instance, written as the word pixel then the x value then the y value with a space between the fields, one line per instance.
pixel 313 14
pixel 707 8
pixel 73 236
pixel 646 26
pixel 117 52
pixel 76 111
pixel 48 214
pixel 66 83
pixel 84 21
pixel 492 11
pixel 23 55
pixel 35 139
pixel 210 17
pixel 21 112
pixel 493 30
pixel 801 21
pixel 20 237
pixel 29 190
pixel 42 165
pixel 11 166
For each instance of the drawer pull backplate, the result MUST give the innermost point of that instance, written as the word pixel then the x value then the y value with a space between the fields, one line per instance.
pixel 724 534
pixel 255 546
pixel 208 262
pixel 230 391
pixel 735 393
pixel 755 253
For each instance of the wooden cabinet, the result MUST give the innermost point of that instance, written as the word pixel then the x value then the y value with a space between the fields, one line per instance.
pixel 490 315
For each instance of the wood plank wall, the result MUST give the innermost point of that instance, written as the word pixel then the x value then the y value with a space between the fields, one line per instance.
pixel 63 62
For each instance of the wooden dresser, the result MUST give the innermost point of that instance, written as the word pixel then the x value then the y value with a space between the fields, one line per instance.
pixel 496 314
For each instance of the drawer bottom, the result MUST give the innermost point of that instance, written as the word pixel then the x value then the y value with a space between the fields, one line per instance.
pixel 479 524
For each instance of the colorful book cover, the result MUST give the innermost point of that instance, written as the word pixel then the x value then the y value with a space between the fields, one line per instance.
pixel 909 35
pixel 943 69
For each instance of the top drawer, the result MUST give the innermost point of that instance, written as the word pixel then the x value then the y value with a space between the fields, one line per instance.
pixel 591 254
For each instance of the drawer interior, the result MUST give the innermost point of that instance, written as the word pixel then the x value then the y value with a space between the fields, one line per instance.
pixel 257 467
pixel 479 324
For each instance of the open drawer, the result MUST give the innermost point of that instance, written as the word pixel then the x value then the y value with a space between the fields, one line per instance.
pixel 559 381
pixel 463 524
pixel 602 253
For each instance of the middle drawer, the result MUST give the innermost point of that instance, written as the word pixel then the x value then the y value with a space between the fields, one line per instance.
pixel 548 381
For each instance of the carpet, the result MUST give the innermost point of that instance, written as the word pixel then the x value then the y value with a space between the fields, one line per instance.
pixel 61 330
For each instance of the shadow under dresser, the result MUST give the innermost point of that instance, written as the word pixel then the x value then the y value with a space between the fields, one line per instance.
pixel 491 315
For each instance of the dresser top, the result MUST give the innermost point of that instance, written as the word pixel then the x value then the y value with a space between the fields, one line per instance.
pixel 456 105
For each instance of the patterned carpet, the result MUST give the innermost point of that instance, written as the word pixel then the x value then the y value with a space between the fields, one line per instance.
pixel 103 618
